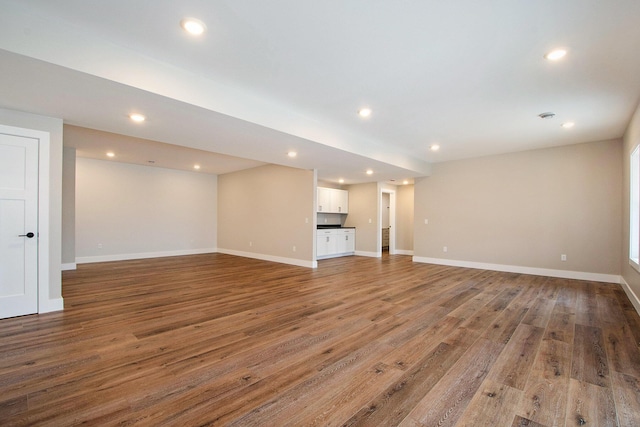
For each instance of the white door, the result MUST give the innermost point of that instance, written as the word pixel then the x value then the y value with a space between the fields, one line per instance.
pixel 18 225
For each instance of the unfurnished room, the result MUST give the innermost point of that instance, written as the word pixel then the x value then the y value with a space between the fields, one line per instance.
pixel 338 213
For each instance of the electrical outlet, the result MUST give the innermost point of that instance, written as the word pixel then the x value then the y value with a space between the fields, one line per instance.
pixel 250 244
pixel 444 249
pixel 294 249
pixel 563 257
pixel 369 220
pixel 426 221
pixel 99 245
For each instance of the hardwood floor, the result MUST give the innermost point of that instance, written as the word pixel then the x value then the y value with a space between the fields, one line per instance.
pixel 222 340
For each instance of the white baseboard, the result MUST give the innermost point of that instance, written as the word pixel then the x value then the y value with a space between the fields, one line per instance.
pixel 68 266
pixel 369 254
pixel 403 252
pixel 630 294
pixel 335 255
pixel 51 305
pixel 565 274
pixel 272 258
pixel 143 255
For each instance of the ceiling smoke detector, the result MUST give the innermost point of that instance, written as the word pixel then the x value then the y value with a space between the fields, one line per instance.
pixel 548 115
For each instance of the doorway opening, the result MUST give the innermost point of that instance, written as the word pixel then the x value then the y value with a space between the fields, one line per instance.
pixel 387 222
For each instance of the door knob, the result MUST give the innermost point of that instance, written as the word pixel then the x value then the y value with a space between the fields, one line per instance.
pixel 28 235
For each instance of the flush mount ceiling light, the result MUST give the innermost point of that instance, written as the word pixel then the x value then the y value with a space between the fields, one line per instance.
pixel 138 118
pixel 369 172
pixel 405 182
pixel 292 154
pixel 364 112
pixel 547 115
pixel 341 181
pixel 568 125
pixel 193 26
pixel 111 154
pixel 196 167
pixel 434 147
pixel 556 54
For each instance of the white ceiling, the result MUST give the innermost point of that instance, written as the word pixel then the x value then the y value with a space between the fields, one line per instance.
pixel 271 76
pixel 94 144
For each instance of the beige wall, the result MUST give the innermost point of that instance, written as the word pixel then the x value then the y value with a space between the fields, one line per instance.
pixel 631 140
pixel 49 299
pixel 137 211
pixel 265 211
pixel 404 219
pixel 526 209
pixel 69 207
pixel 364 202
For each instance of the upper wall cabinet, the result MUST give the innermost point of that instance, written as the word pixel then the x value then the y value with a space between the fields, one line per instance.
pixel 332 200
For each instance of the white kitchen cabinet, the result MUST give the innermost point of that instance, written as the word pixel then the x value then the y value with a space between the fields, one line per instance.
pixel 333 200
pixel 340 201
pixel 335 242
pixel 326 242
pixel 324 199
pixel 346 241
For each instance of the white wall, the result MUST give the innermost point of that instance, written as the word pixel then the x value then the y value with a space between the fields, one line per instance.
pixel 142 211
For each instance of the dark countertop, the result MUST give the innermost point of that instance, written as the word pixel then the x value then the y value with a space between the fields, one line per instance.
pixel 330 226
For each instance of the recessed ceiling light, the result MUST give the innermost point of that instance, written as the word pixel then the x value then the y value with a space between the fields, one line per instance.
pixel 111 154
pixel 434 147
pixel 556 54
pixel 568 125
pixel 196 167
pixel 193 26
pixel 137 117
pixel 369 172
pixel 292 154
pixel 341 181
pixel 364 112
pixel 405 182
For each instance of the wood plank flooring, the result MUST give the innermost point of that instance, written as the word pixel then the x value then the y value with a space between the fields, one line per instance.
pixel 221 340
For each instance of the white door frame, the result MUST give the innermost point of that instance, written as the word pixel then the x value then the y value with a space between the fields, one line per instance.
pixel 392 221
pixel 44 151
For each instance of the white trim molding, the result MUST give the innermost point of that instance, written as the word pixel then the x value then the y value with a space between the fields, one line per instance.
pixel 143 255
pixel 272 258
pixel 565 274
pixel 403 252
pixel 47 306
pixel 630 294
pixel 369 254
pixel 68 266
